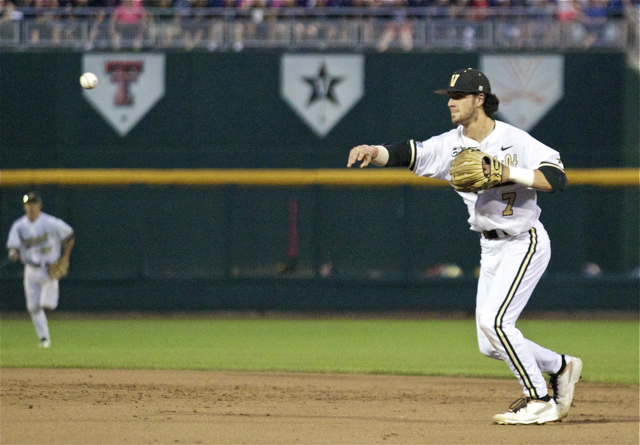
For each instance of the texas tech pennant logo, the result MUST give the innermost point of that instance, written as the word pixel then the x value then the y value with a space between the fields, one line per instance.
pixel 129 85
pixel 322 89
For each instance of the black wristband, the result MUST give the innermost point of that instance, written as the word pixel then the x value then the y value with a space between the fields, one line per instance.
pixel 401 154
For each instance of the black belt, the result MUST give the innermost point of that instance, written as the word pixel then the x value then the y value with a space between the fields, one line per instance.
pixel 37 265
pixel 494 234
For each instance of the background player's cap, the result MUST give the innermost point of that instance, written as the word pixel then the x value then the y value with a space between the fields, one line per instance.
pixel 468 81
pixel 32 197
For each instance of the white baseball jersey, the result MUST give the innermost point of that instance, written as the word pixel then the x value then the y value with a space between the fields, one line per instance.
pixel 40 241
pixel 510 266
pixel 510 207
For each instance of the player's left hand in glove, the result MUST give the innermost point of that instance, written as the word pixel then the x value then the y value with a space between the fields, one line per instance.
pixel 58 269
pixel 468 171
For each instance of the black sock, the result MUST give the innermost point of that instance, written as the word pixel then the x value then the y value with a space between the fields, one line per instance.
pixel 564 365
pixel 546 398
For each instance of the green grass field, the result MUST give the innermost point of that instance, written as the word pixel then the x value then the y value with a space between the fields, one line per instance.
pixel 371 346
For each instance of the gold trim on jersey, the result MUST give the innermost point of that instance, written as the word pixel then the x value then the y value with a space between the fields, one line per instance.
pixel 503 308
pixel 412 144
pixel 34 241
pixel 549 164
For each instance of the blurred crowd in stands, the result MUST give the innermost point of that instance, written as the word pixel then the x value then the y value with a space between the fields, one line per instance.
pixel 130 19
pixel 595 7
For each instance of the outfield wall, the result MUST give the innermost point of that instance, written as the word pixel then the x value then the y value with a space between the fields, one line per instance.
pixel 224 244
pixel 226 110
pixel 143 247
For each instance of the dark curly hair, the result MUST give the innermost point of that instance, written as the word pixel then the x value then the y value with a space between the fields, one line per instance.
pixel 490 105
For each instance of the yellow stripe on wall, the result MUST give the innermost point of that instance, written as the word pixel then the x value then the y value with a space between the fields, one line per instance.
pixel 623 177
pixel 613 177
pixel 292 177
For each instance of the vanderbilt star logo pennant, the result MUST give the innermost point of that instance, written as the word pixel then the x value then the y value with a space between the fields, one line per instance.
pixel 323 86
pixel 321 89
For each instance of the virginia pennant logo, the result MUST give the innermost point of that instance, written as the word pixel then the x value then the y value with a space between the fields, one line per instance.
pixel 322 89
pixel 528 86
pixel 129 85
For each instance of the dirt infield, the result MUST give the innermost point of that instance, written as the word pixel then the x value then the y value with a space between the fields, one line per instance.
pixel 55 406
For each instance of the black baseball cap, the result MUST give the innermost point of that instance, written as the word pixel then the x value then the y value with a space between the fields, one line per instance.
pixel 468 81
pixel 32 197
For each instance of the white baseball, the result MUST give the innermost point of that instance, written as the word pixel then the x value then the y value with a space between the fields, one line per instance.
pixel 88 81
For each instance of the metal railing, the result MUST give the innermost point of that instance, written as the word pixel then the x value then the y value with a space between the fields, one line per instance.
pixel 417 29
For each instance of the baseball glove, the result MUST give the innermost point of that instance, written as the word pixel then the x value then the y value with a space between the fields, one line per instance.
pixel 58 269
pixel 467 173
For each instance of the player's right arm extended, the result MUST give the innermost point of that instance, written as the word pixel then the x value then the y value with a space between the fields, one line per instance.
pixel 400 154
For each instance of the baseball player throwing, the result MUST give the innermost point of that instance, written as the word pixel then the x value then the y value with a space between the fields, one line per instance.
pixel 497 169
pixel 43 243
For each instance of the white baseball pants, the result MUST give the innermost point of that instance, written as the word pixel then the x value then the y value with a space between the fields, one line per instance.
pixel 41 293
pixel 510 269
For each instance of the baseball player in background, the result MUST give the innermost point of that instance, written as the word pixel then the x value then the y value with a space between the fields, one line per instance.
pixel 43 243
pixel 515 248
